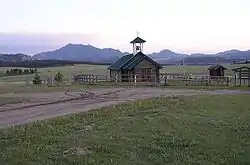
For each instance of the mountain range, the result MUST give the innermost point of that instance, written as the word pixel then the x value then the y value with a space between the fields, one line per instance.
pixel 78 52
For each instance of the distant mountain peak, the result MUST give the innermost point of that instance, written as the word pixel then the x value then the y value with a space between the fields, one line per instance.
pixel 79 52
pixel 166 50
pixel 89 53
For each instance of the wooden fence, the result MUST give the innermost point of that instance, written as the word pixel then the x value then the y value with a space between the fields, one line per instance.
pixel 162 79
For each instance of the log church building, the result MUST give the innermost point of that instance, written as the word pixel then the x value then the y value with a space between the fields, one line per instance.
pixel 135 66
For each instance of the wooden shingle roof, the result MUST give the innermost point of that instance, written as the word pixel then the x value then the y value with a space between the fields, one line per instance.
pixel 138 40
pixel 214 67
pixel 117 65
pixel 129 62
pixel 243 67
pixel 136 59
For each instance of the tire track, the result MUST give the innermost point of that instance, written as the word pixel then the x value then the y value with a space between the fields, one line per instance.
pixel 90 95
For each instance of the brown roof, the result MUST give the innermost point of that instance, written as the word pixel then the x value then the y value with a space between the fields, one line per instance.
pixel 243 67
pixel 138 40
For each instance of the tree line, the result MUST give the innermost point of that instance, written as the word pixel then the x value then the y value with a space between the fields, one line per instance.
pixel 45 63
pixel 19 71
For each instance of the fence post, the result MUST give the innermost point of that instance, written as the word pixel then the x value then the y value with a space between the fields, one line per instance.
pixel 106 78
pixel 69 80
pixel 235 80
pixel 165 80
pixel 27 80
pixel 116 77
pixel 135 79
pixel 48 81
pixel 155 79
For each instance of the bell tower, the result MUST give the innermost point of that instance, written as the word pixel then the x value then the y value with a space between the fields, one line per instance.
pixel 137 44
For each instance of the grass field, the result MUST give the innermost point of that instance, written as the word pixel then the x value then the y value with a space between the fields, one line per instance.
pixel 66 71
pixel 100 69
pixel 18 83
pixel 176 130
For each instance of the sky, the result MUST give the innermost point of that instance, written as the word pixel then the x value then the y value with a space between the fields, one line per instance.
pixel 186 26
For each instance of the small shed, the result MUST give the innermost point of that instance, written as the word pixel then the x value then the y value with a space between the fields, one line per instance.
pixel 217 70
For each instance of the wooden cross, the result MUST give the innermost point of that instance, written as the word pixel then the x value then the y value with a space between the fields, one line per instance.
pixel 137 33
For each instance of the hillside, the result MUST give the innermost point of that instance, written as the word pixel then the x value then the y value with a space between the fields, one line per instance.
pixel 235 54
pixel 167 55
pixel 88 53
pixel 205 60
pixel 14 57
pixel 78 52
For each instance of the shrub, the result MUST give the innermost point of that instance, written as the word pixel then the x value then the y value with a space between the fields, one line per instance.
pixel 59 77
pixel 37 80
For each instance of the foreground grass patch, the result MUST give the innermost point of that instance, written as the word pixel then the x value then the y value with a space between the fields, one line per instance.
pixel 177 130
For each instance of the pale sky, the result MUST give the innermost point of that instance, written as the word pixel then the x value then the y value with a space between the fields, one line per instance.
pixel 179 25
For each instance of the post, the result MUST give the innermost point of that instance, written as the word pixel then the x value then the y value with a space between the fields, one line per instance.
pixel 69 79
pixel 235 80
pixel 135 79
pixel 155 79
pixel 165 80
pixel 107 78
pixel 52 82
pixel 48 81
pixel 27 80
pixel 240 77
pixel 116 77
pixel 248 77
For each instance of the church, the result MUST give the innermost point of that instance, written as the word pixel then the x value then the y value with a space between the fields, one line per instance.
pixel 136 66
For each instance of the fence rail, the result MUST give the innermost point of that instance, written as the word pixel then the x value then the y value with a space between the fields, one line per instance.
pixel 135 79
pixel 162 79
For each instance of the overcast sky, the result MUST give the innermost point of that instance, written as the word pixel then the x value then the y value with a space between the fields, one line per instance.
pixel 179 25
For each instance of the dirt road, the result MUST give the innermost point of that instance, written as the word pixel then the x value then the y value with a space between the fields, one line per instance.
pixel 47 105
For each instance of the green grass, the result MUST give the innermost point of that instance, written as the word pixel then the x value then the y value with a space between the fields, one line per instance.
pixel 51 71
pixel 18 83
pixel 178 130
pixel 22 88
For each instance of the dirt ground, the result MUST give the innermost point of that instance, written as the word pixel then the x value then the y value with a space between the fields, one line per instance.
pixel 39 106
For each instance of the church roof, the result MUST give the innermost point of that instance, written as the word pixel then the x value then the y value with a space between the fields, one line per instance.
pixel 129 62
pixel 215 67
pixel 138 40
pixel 120 62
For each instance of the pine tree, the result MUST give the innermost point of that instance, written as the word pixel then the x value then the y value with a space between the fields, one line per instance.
pixel 7 73
pixel 20 71
pixel 59 77
pixel 37 80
